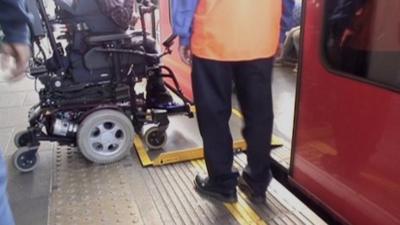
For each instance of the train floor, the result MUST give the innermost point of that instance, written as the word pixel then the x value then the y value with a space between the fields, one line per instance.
pixel 67 189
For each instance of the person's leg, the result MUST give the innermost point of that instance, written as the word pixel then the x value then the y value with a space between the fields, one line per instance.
pixel 296 44
pixel 287 46
pixel 157 95
pixel 296 40
pixel 253 83
pixel 212 87
pixel 6 217
pixel 288 54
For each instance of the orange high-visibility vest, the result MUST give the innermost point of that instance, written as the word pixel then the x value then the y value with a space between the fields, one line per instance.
pixel 236 30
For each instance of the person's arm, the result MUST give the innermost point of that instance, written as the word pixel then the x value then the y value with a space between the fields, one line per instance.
pixel 182 18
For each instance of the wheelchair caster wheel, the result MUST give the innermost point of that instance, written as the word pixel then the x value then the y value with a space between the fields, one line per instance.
pixel 154 138
pixel 25 159
pixel 22 139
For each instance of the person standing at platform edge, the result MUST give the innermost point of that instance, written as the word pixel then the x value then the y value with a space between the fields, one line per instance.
pixel 227 40
pixel 14 23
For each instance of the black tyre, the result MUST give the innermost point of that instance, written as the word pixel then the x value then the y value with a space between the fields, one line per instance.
pixel 25 159
pixel 105 136
pixel 22 139
pixel 154 138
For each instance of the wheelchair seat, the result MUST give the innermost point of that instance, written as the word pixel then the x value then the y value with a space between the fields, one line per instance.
pixel 88 51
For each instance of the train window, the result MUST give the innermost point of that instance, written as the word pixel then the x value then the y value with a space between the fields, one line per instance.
pixel 362 39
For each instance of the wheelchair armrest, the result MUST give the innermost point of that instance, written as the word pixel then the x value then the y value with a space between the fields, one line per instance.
pixel 98 57
pixel 98 39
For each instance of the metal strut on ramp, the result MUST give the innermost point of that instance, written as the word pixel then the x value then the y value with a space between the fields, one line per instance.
pixel 184 141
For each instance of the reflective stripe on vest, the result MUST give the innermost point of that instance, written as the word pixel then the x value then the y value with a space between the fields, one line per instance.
pixel 236 30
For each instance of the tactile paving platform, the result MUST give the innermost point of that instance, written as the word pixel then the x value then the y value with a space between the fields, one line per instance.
pixel 126 193
pixel 83 193
pixel 282 207
pixel 178 203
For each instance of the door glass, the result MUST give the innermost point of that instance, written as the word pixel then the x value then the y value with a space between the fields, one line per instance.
pixel 362 39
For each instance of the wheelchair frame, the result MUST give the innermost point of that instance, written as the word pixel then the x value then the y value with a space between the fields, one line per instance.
pixel 57 119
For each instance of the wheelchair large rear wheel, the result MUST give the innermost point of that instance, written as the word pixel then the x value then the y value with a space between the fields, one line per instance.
pixel 105 136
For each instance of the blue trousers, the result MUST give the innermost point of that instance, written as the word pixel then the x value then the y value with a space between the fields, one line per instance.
pixel 6 217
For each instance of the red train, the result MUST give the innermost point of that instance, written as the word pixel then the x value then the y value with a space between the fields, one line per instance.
pixel 346 144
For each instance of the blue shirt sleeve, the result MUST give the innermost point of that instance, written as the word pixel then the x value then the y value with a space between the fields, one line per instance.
pixel 182 18
pixel 14 21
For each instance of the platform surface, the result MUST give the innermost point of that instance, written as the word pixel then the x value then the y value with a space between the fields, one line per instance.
pixel 66 189
pixel 126 193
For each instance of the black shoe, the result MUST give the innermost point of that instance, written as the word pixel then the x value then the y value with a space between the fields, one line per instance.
pixel 204 186
pixel 255 196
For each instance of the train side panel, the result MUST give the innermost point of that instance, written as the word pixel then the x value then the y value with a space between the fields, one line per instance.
pixel 346 144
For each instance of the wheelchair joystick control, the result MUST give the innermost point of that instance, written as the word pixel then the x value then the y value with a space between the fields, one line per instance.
pixel 169 41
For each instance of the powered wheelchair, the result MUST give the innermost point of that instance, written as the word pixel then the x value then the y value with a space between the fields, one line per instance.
pixel 91 93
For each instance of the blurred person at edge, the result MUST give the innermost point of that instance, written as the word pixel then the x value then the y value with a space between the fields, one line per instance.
pixel 14 22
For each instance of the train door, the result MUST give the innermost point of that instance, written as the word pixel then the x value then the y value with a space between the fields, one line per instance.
pixel 346 142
